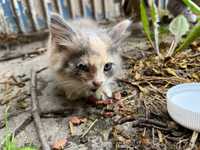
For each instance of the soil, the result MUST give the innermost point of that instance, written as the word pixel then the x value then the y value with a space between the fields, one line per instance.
pixel 139 120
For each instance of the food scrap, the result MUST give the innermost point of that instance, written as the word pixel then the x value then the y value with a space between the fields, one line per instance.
pixel 60 144
pixel 75 120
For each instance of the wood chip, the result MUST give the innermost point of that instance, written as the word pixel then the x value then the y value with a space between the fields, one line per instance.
pixel 72 129
pixel 60 144
pixel 104 102
pixel 160 136
pixel 145 140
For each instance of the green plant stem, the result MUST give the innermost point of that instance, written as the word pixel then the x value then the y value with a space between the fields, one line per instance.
pixel 155 19
pixel 145 22
pixel 193 7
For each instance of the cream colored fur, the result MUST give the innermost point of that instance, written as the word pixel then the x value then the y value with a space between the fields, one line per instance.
pixel 100 47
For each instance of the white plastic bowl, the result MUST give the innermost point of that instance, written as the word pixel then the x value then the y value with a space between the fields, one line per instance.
pixel 183 104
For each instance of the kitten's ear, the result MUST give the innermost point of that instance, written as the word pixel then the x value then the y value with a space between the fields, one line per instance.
pixel 61 33
pixel 120 31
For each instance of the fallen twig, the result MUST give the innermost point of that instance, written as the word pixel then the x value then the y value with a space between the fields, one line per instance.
pixel 193 140
pixel 35 112
pixel 172 139
pixel 58 113
pixel 23 55
pixel 144 122
pixel 125 119
pixel 90 127
pixel 38 71
pixel 15 39
pixel 23 125
pixel 17 97
pixel 153 136
pixel 21 83
pixel 148 125
pixel 11 115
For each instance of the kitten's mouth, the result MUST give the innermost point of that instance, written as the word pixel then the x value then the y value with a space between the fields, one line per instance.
pixel 94 89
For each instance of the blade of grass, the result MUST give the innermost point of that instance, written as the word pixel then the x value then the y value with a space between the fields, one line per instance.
pixel 9 141
pixel 193 7
pixel 145 22
pixel 155 19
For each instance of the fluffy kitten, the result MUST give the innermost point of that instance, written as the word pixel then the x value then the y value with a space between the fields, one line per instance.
pixel 84 57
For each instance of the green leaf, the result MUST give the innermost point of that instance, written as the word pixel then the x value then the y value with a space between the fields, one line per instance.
pixel 10 146
pixel 9 143
pixel 145 21
pixel 193 7
pixel 193 35
pixel 9 140
pixel 179 26
pixel 154 13
pixel 155 19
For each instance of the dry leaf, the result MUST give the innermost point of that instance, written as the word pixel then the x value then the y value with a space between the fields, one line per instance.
pixel 60 144
pixel 137 76
pixel 171 72
pixel 143 90
pixel 156 71
pixel 160 136
pixel 123 140
pixel 195 76
pixel 145 140
pixel 183 64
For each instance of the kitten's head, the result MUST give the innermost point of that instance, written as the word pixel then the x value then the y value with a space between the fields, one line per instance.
pixel 85 56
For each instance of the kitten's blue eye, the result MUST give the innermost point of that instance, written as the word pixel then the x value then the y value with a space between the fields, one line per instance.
pixel 82 67
pixel 108 67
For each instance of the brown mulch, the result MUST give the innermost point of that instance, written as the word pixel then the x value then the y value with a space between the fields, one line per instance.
pixel 151 77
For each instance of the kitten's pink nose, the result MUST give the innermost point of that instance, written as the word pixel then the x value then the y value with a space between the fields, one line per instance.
pixel 97 83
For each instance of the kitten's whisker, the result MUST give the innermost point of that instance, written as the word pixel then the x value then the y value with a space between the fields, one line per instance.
pixel 65 83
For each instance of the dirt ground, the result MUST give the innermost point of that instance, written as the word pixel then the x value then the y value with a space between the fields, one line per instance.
pixel 140 120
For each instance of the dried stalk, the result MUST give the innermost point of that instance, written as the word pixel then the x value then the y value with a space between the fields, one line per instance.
pixel 35 112
pixel 193 140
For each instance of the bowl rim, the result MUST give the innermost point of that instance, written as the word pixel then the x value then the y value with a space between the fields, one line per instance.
pixel 179 89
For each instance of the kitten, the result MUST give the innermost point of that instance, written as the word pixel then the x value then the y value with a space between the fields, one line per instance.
pixel 84 57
